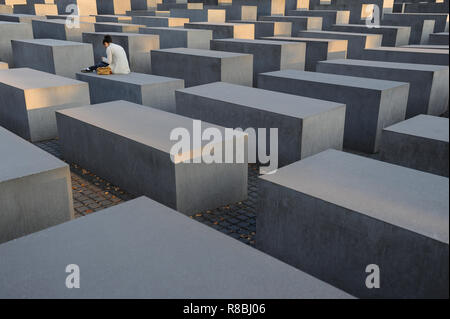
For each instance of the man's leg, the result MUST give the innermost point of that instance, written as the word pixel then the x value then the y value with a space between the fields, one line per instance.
pixel 98 65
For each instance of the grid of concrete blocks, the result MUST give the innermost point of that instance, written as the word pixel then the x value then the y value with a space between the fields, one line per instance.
pixel 354 91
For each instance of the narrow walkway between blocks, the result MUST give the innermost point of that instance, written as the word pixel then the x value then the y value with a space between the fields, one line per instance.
pixel 91 194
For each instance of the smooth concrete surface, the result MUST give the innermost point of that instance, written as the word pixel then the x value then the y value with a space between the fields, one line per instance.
pixel 59 30
pixel 420 27
pixel 298 23
pixel 393 36
pixel 420 143
pixel 12 31
pixel 64 58
pixel 318 49
pixel 329 17
pixel 141 249
pixel 305 126
pixel 114 7
pixel 145 89
pixel 268 28
pixel 199 15
pixel 160 21
pixel 428 93
pixel 225 30
pixel 265 7
pixel 356 42
pixel 113 18
pixel 180 38
pixel 84 7
pixel 407 55
pixel 137 47
pixel 371 104
pixel 4 66
pixel 29 99
pixel 333 214
pixel 203 66
pixel 35 189
pixel 267 55
pixel 136 141
pixel 440 38
pixel 117 27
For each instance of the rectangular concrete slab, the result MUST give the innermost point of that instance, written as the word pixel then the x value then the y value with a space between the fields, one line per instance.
pixel 334 214
pixel 267 55
pixel 180 37
pixel 393 36
pixel 421 28
pixel 136 141
pixel 29 99
pixel 3 66
pixel 114 7
pixel 407 55
pixel 428 94
pixel 35 188
pixel 60 30
pixel 199 15
pixel 357 42
pixel 318 49
pixel 145 89
pixel 137 47
pixel 225 30
pixel 117 27
pixel 329 17
pixel 298 23
pixel 420 143
pixel 268 28
pixel 64 58
pixel 151 239
pixel 305 126
pixel 203 66
pixel 160 21
pixel 12 31
pixel 371 104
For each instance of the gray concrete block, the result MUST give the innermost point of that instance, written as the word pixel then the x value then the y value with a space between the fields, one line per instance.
pixel 12 31
pixel 4 66
pixel 305 126
pixel 265 7
pixel 59 57
pixel 84 7
pixel 428 94
pixel 40 9
pixel 60 30
pixel 155 21
pixel 226 30
pixel 180 37
pixel 318 49
pixel 371 104
pixel 35 188
pixel 117 27
pixel 136 141
pixel 298 23
pixel 145 89
pixel 144 236
pixel 113 6
pixel 420 27
pixel 329 17
pixel 236 12
pixel 113 18
pixel 199 15
pixel 407 55
pixel 137 47
pixel 334 214
pixel 393 36
pixel 439 38
pixel 420 143
pixel 268 28
pixel 267 55
pixel 203 66
pixel 20 18
pixel 356 42
pixel 89 19
pixel 29 99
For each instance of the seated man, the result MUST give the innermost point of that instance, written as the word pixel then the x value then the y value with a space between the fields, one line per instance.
pixel 116 58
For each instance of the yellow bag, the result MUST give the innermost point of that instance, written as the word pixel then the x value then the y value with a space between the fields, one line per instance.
pixel 104 70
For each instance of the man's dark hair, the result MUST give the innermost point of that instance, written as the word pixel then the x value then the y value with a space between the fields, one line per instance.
pixel 107 39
